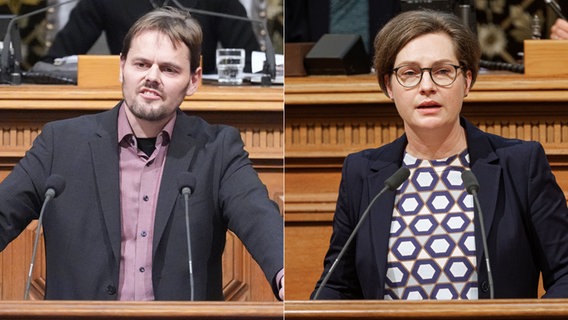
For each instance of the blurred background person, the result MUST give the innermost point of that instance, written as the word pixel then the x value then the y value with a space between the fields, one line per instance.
pixel 308 20
pixel 90 18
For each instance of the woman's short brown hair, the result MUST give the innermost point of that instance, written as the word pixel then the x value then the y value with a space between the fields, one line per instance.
pixel 409 25
pixel 178 25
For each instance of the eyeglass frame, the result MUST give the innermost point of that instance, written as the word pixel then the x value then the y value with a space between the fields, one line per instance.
pixel 456 67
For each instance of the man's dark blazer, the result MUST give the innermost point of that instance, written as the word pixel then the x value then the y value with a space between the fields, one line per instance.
pixel 82 226
pixel 525 215
pixel 91 17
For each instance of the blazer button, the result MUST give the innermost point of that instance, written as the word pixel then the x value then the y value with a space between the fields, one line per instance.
pixel 484 286
pixel 111 290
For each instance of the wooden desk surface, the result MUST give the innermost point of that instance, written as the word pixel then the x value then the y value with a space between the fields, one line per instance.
pixel 140 310
pixel 489 87
pixel 431 310
pixel 207 98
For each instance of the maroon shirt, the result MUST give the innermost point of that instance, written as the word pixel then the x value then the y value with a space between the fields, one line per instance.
pixel 140 178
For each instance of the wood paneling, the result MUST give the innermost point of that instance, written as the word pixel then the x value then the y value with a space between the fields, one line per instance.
pixel 28 310
pixel 527 309
pixel 257 112
pixel 328 117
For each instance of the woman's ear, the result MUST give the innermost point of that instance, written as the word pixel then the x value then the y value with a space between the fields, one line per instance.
pixel 388 86
pixel 468 81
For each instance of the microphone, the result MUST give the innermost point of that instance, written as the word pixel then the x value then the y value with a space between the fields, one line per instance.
pixel 186 184
pixel 472 187
pixel 10 72
pixel 556 8
pixel 392 183
pixel 55 184
pixel 269 68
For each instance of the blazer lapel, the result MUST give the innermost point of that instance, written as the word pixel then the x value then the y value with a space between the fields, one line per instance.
pixel 484 164
pixel 180 155
pixel 488 177
pixel 105 161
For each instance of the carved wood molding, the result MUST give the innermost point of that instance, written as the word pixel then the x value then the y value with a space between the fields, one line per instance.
pixel 339 136
pixel 266 143
pixel 309 207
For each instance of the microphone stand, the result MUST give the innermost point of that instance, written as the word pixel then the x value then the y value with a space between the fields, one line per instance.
pixel 55 185
pixel 392 183
pixel 472 186
pixel 186 184
pixel 10 66
pixel 556 8
pixel 484 243
pixel 186 192
pixel 269 68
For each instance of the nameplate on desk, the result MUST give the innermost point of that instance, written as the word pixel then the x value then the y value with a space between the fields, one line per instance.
pixel 98 71
pixel 546 58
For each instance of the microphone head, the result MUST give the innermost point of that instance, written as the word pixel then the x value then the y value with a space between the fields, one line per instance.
pixel 394 181
pixel 54 185
pixel 186 182
pixel 470 181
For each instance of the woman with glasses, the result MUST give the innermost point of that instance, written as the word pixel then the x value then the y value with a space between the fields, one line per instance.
pixel 430 238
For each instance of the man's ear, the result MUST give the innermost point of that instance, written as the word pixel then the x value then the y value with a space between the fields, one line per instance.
pixel 122 62
pixel 195 81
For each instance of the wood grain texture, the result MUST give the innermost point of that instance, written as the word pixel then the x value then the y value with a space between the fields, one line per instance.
pixel 526 309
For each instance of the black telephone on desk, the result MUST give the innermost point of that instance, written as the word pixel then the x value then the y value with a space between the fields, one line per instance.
pixel 498 65
pixel 61 71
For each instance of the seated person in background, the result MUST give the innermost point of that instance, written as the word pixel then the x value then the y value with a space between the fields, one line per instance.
pixel 91 17
pixel 117 231
pixel 424 240
pixel 559 30
pixel 31 29
pixel 308 20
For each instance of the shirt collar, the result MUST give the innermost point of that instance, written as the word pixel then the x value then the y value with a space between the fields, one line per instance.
pixel 125 130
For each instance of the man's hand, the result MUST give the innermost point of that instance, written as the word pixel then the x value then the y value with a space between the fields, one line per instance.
pixel 559 30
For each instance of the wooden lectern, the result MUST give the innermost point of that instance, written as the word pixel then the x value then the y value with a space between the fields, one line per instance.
pixel 256 111
pixel 78 310
pixel 544 309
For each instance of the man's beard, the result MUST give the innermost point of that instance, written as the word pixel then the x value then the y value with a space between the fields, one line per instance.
pixel 147 113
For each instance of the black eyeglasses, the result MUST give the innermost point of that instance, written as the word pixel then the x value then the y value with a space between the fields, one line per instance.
pixel 443 75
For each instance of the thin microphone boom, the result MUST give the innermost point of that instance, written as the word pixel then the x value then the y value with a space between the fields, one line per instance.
pixel 186 183
pixel 556 8
pixel 472 186
pixel 54 186
pixel 5 68
pixel 270 63
pixel 392 183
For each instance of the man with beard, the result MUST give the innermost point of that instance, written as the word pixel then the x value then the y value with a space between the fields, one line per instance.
pixel 117 231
